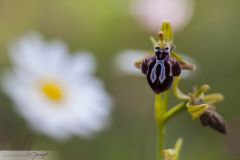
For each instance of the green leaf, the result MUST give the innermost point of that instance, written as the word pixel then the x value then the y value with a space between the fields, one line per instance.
pixel 167 30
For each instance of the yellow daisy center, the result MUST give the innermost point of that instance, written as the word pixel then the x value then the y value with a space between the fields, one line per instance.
pixel 52 91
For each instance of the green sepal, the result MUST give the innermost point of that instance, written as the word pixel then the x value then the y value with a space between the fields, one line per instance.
pixel 199 93
pixel 213 98
pixel 153 40
pixel 197 110
pixel 168 33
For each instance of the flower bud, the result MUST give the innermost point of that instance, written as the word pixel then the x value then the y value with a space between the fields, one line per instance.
pixel 214 120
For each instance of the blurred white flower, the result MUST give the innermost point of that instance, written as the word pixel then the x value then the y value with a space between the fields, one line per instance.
pixel 151 13
pixel 56 93
pixel 124 63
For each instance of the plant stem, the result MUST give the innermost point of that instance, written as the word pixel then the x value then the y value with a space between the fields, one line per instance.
pixel 162 117
pixel 161 137
pixel 174 111
pixel 160 109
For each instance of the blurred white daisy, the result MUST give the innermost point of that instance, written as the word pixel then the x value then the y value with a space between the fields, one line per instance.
pixel 124 63
pixel 151 13
pixel 56 93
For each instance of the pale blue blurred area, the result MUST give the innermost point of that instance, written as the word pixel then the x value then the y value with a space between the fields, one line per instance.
pixel 106 27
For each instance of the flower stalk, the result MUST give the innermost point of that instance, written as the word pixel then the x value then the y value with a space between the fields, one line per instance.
pixel 162 117
pixel 174 111
pixel 160 110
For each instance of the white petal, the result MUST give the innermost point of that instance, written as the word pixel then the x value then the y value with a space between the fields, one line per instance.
pixel 125 60
pixel 81 63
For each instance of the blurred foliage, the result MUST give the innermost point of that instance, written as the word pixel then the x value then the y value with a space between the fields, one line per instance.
pixel 104 28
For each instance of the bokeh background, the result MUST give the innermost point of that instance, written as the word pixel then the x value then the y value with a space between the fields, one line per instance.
pixel 106 27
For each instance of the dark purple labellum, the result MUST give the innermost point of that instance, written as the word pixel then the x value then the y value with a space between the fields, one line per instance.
pixel 160 70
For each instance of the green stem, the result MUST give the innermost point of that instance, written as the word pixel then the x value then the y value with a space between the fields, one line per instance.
pixel 174 111
pixel 161 137
pixel 162 117
pixel 160 109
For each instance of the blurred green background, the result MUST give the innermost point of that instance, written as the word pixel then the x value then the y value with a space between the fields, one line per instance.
pixel 106 27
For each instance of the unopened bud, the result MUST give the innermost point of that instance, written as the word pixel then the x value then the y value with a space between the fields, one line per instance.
pixel 214 120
